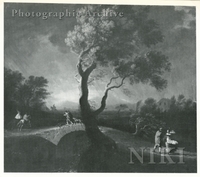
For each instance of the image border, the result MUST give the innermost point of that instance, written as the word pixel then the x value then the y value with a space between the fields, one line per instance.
pixel 125 2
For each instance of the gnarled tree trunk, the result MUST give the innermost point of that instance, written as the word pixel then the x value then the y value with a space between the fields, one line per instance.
pixel 102 147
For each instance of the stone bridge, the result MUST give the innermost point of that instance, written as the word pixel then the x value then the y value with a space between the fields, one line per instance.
pixel 52 134
pixel 45 149
pixel 56 133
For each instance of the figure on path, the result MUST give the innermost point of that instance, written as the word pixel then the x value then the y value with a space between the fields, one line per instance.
pixel 158 138
pixel 25 120
pixel 171 145
pixel 17 118
pixel 69 117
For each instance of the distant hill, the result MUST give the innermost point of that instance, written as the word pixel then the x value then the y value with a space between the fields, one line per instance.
pixel 112 103
pixel 67 105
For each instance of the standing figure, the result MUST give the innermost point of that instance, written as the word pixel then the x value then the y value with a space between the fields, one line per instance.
pixel 158 138
pixel 17 118
pixel 68 116
pixel 171 145
pixel 25 120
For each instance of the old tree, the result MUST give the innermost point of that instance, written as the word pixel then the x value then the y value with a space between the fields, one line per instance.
pixel 126 44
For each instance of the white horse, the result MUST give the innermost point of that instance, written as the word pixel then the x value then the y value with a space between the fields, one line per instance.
pixel 25 120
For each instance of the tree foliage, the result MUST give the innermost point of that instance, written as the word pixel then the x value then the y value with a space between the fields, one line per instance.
pixel 146 125
pixel 12 83
pixel 123 44
pixel 181 116
pixel 182 113
pixel 21 93
pixel 121 107
pixel 149 107
pixel 33 92
pixel 54 109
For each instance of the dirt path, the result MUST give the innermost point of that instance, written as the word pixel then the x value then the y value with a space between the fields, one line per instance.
pixel 126 140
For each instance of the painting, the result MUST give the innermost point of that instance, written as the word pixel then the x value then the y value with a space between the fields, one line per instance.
pixel 100 88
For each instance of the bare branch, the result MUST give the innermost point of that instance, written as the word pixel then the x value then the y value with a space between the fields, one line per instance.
pixel 79 67
pixel 117 86
pixel 138 126
pixel 90 81
pixel 145 127
pixel 103 101
pixel 76 77
pixel 112 80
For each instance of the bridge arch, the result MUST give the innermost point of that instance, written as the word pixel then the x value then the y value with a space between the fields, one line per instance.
pixel 55 134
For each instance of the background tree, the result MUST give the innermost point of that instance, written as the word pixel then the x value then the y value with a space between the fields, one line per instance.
pixel 12 82
pixel 149 107
pixel 146 126
pixel 122 44
pixel 23 94
pixel 138 107
pixel 54 109
pixel 180 103
pixel 32 93
pixel 182 114
pixel 120 108
pixel 147 120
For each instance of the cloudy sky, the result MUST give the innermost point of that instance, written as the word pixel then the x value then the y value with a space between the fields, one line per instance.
pixel 35 46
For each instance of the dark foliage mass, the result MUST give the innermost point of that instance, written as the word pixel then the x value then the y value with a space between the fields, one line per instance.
pixel 178 114
pixel 25 95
